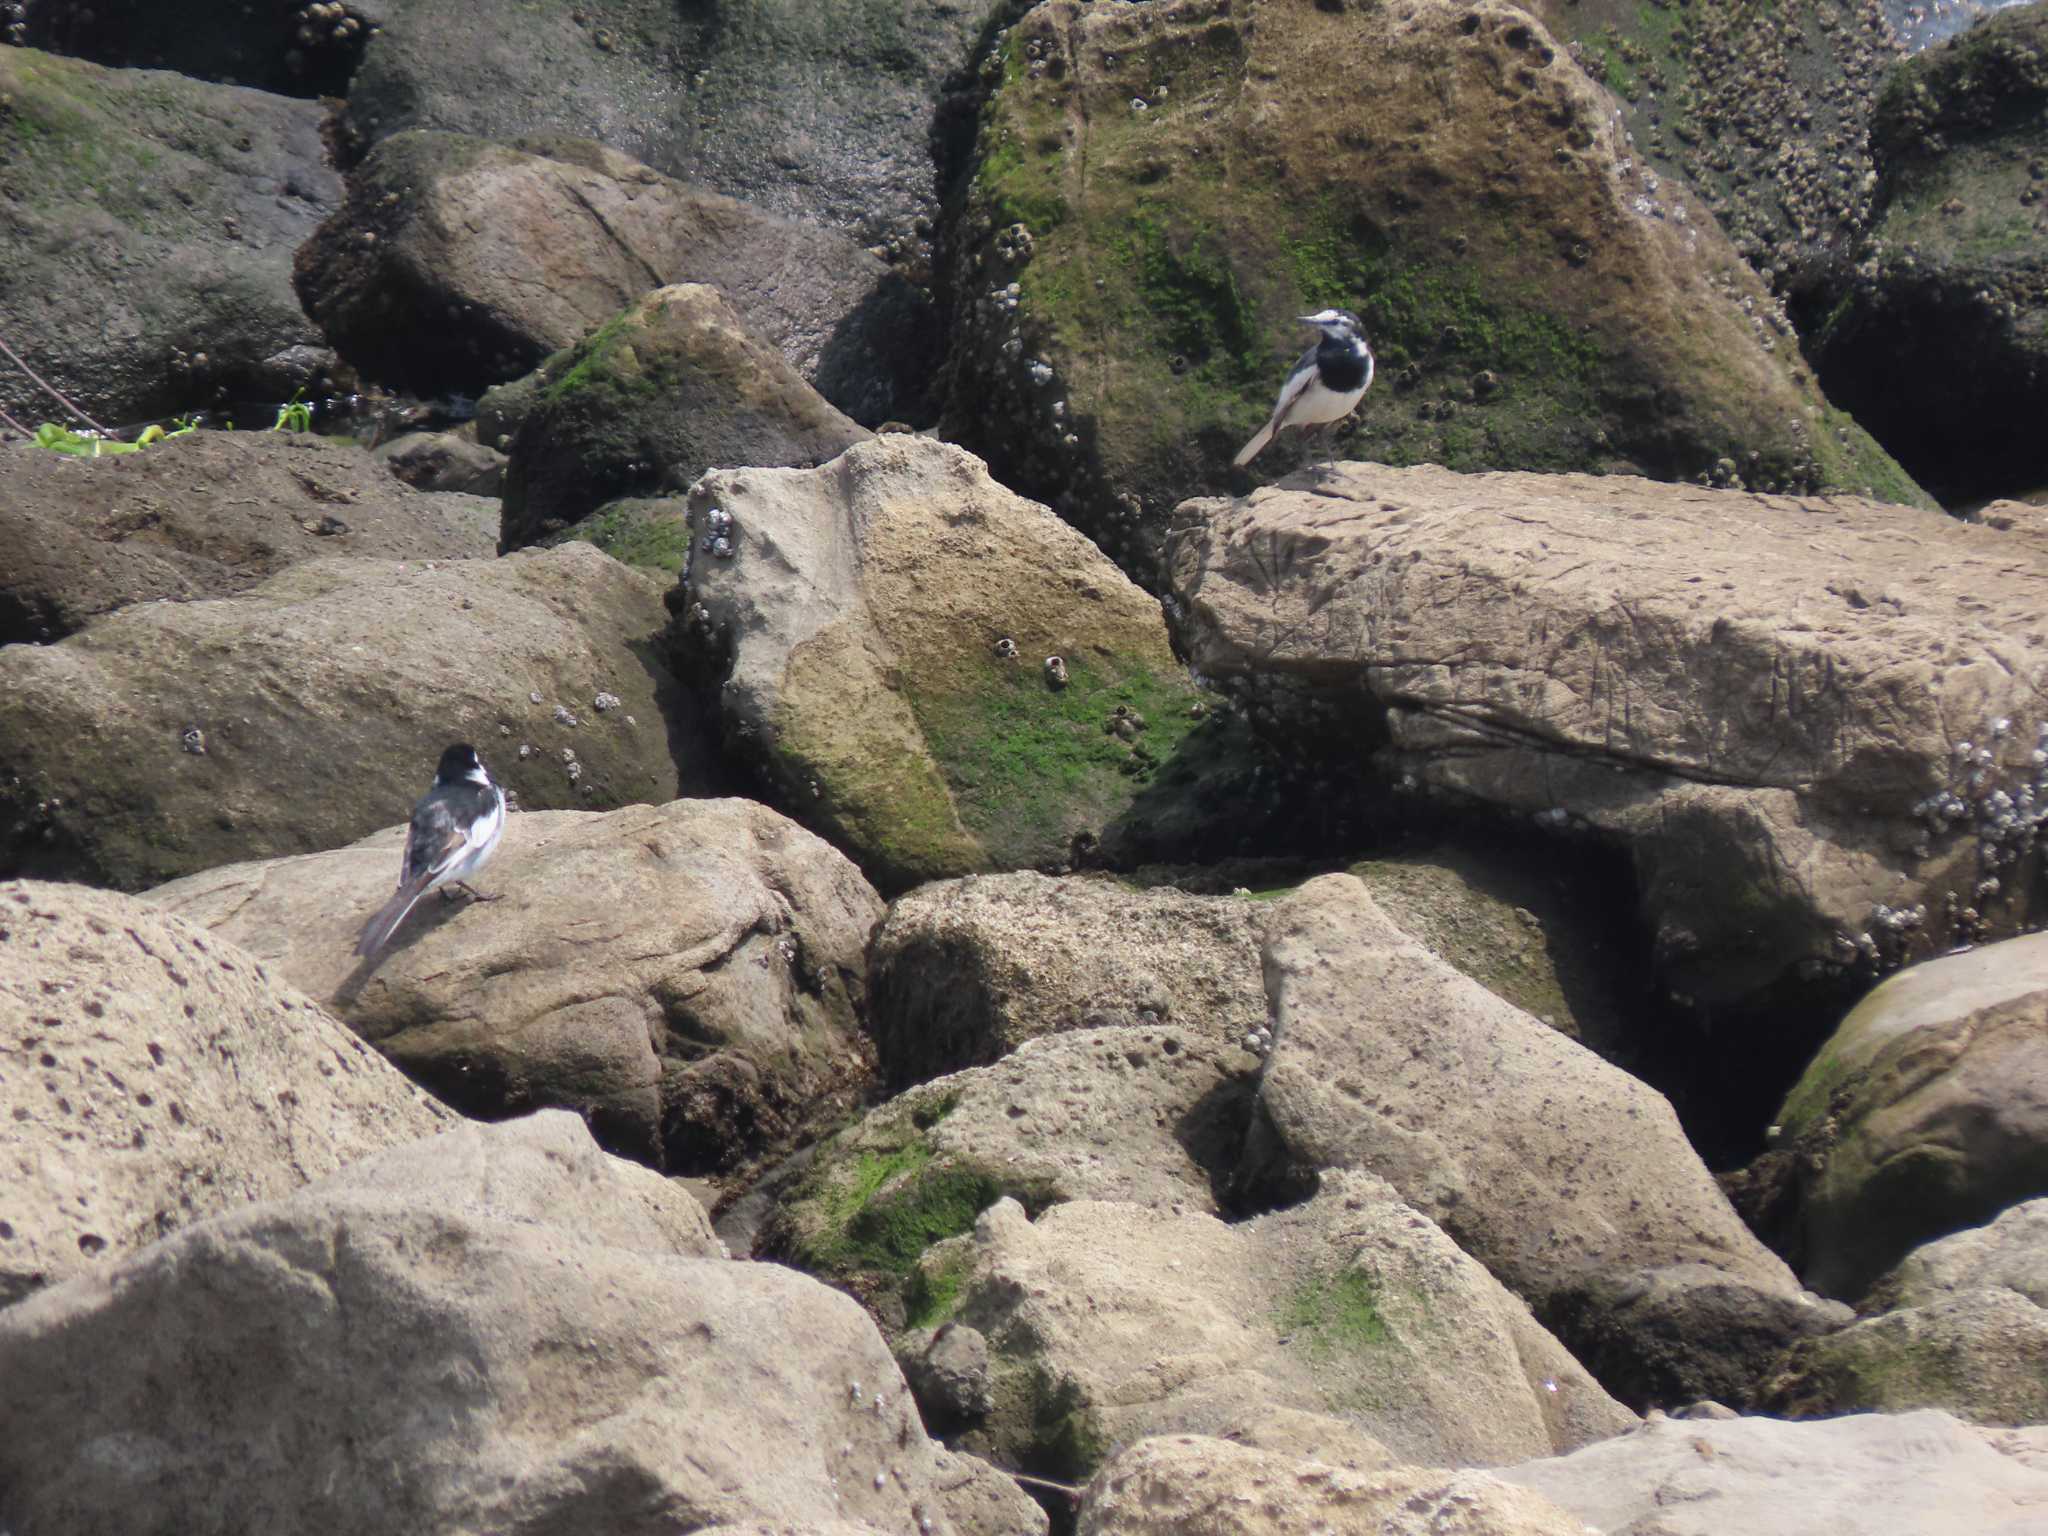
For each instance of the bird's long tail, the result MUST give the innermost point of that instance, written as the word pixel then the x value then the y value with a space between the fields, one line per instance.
pixel 1251 449
pixel 390 915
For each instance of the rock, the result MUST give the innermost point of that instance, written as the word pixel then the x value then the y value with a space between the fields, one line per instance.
pixel 688 976
pixel 1911 1474
pixel 1954 266
pixel 2010 1253
pixel 966 971
pixel 1785 765
pixel 443 461
pixel 1107 1322
pixel 820 111
pixel 1591 1206
pixel 1170 1484
pixel 202 515
pixel 671 387
pixel 1926 1111
pixel 149 222
pixel 852 638
pixel 152 1076
pixel 1156 198
pixel 277 51
pixel 309 711
pixel 949 1374
pixel 1149 1115
pixel 396 1360
pixel 457 263
pixel 651 533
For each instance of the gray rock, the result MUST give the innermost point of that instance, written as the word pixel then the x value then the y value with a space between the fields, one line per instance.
pixel 152 1075
pixel 948 1369
pixel 1787 771
pixel 2010 1253
pixel 309 711
pixel 688 976
pixel 1908 1474
pixel 1568 1178
pixel 203 515
pixel 443 461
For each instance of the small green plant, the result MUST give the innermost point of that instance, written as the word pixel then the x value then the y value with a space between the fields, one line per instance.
pixel 90 445
pixel 294 416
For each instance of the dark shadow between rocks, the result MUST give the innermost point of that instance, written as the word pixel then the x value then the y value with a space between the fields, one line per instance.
pixel 881 362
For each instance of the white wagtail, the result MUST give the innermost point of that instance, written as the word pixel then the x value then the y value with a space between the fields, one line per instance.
pixel 1331 378
pixel 455 829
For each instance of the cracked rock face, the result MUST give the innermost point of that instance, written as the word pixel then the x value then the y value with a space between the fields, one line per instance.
pixel 687 975
pixel 1815 723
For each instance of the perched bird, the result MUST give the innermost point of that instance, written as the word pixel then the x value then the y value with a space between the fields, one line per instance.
pixel 1331 378
pixel 454 831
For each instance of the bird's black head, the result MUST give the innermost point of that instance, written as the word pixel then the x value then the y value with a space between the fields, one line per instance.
pixel 1338 324
pixel 460 762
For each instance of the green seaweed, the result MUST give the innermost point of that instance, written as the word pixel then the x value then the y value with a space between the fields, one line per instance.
pixel 1332 1315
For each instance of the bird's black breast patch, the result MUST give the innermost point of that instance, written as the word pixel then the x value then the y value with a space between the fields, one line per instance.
pixel 1341 365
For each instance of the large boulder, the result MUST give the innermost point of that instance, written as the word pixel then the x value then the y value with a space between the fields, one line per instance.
pixel 968 970
pixel 1565 1176
pixel 1925 1112
pixel 152 1076
pixel 673 385
pixel 1909 1474
pixel 880 634
pixel 1107 1322
pixel 1161 189
pixel 1812 723
pixel 457 263
pixel 149 222
pixel 1145 1115
pixel 1172 1484
pixel 1936 333
pixel 203 514
pixel 688 976
pixel 309 710
pixel 393 1357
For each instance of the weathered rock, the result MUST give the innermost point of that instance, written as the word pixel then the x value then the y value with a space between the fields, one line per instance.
pixel 852 638
pixel 1158 196
pixel 202 515
pixel 484 258
pixel 1948 295
pixel 1926 1111
pixel 392 1360
pixel 1107 1322
pixel 443 461
pixel 1764 699
pixel 1591 1205
pixel 687 975
pixel 672 386
pixel 649 532
pixel 1147 1115
pixel 1912 1474
pixel 149 222
pixel 2010 1253
pixel 966 971
pixel 308 711
pixel 819 109
pixel 152 1076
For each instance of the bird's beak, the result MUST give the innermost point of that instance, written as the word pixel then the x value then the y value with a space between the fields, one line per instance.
pixel 1307 319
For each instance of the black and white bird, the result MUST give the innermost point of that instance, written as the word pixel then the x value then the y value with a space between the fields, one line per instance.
pixel 455 830
pixel 1331 378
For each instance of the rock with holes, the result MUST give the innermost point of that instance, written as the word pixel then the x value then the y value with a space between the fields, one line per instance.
pixel 1107 1322
pixel 686 975
pixel 1926 1111
pixel 1566 1177
pixel 1147 1114
pixel 966 971
pixel 1813 724
pixel 397 1354
pixel 1170 1484
pixel 153 1075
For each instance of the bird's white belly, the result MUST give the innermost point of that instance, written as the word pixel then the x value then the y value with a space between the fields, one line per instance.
pixel 1319 404
pixel 478 847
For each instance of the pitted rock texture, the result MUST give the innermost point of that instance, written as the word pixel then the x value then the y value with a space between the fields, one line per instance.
pixel 1162 189
pixel 149 222
pixel 1926 1111
pixel 1565 1176
pixel 152 1075
pixel 848 626
pixel 486 258
pixel 1813 723
pixel 687 975
pixel 308 711
pixel 203 515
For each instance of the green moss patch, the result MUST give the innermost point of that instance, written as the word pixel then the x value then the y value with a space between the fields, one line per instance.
pixel 1331 1316
pixel 635 533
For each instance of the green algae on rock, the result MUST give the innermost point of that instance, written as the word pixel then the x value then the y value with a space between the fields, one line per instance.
pixel 1162 189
